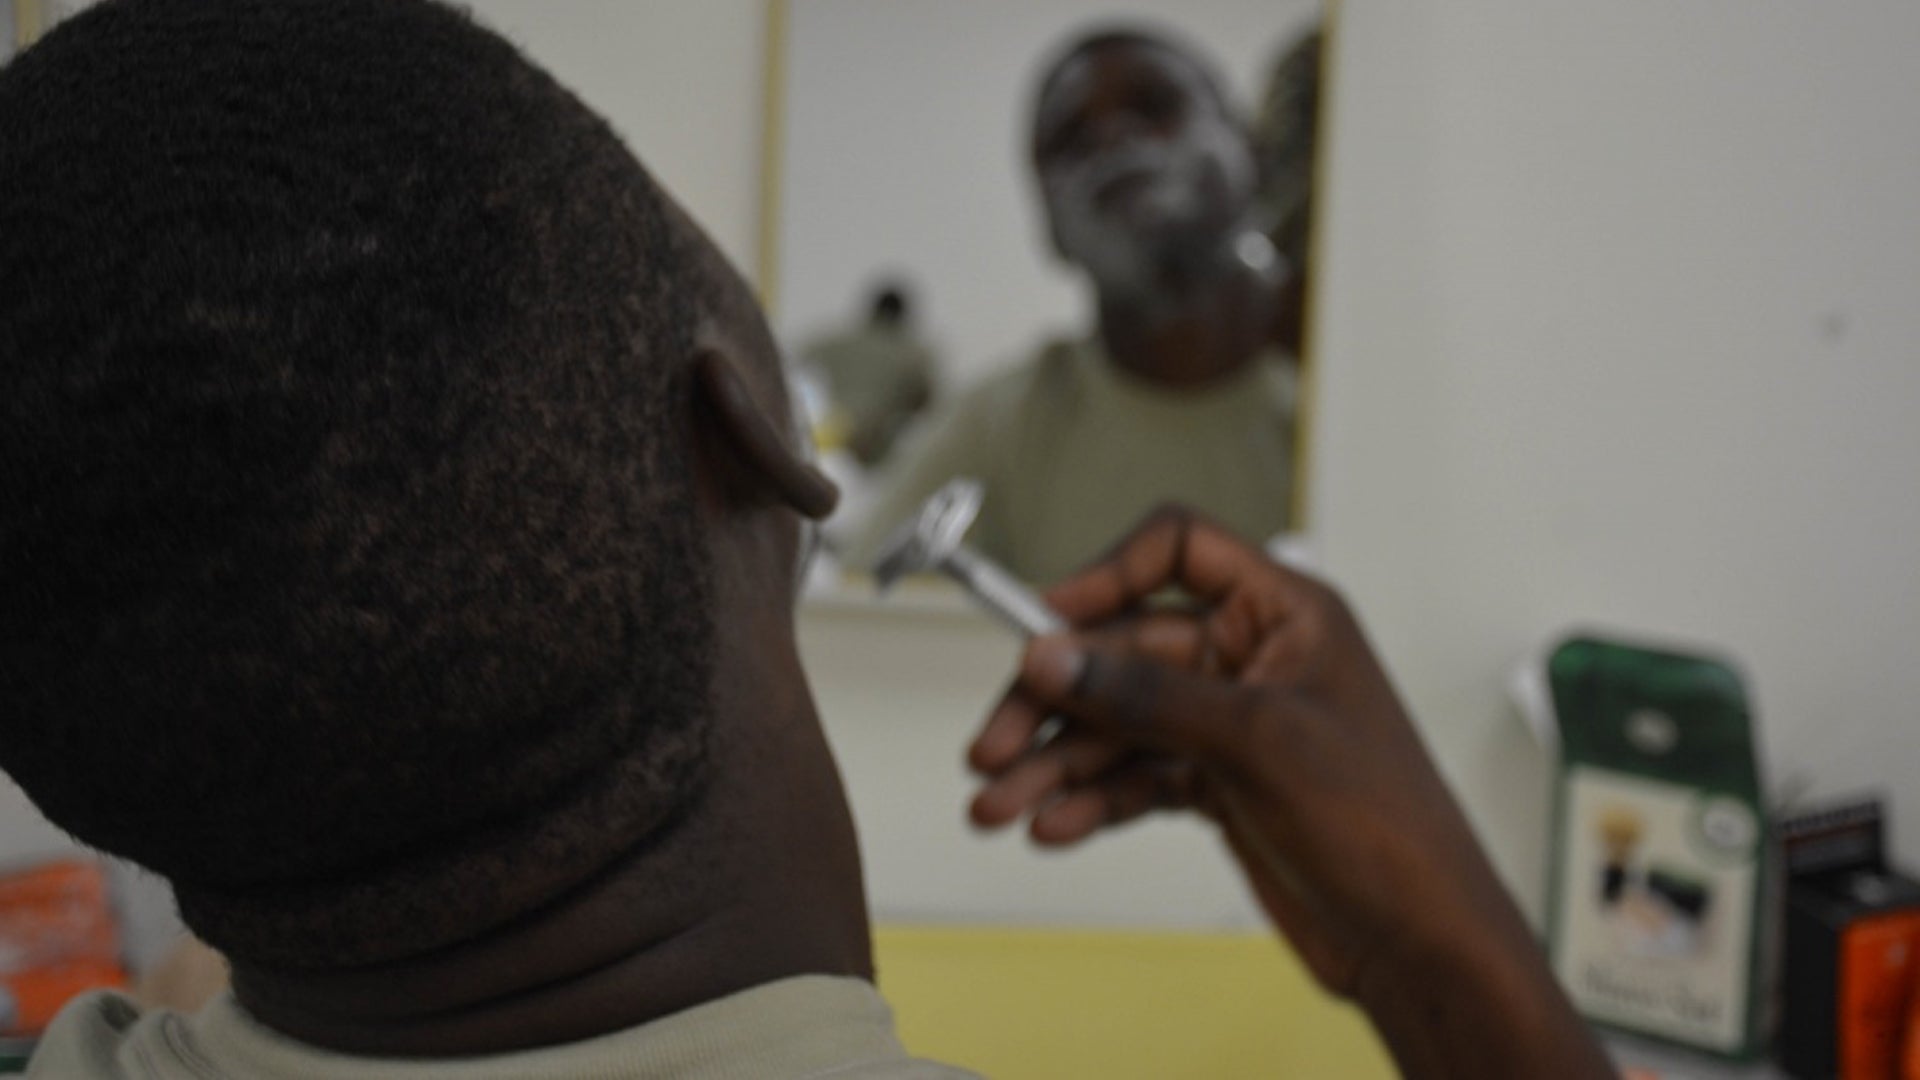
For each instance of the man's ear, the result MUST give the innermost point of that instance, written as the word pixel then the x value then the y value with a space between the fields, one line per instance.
pixel 761 445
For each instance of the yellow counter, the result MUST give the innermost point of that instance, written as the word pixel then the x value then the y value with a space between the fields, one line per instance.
pixel 1068 1004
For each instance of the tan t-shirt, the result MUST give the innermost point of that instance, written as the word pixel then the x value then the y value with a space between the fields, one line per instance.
pixel 811 1026
pixel 1074 451
pixel 880 377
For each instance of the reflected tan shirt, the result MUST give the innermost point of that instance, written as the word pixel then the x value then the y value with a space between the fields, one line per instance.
pixel 1073 451
pixel 811 1026
pixel 880 377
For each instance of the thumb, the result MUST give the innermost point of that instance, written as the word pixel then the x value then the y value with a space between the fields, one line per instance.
pixel 1139 701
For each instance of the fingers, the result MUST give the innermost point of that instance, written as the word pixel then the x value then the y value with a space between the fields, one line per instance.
pixel 1035 780
pixel 1101 789
pixel 1073 784
pixel 1008 733
pixel 1288 651
pixel 1140 702
pixel 1174 546
pixel 1168 637
pixel 1129 791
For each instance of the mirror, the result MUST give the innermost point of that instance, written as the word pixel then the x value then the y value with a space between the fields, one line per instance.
pixel 22 22
pixel 911 246
pixel 18 27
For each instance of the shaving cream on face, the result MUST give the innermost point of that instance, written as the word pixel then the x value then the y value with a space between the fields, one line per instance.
pixel 1190 191
pixel 1109 249
pixel 1132 195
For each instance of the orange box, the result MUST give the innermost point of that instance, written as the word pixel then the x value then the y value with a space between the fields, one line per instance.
pixel 58 938
pixel 1877 966
pixel 1910 1069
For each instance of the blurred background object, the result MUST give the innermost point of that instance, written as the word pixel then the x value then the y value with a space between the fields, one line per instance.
pixel 59 938
pixel 877 371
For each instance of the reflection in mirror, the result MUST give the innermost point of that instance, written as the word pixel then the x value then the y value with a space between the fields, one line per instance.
pixel 1088 222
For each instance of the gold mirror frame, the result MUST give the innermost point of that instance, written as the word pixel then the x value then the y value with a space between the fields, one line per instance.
pixel 772 176
pixel 28 23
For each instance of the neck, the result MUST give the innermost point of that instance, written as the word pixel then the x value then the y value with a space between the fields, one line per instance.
pixel 1196 325
pixel 760 882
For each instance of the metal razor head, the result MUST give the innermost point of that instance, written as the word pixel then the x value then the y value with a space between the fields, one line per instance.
pixel 924 541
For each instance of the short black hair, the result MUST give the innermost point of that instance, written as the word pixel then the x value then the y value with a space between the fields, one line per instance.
pixel 892 303
pixel 345 500
pixel 1129 35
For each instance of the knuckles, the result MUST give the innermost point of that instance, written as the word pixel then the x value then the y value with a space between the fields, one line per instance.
pixel 1169 513
pixel 1131 691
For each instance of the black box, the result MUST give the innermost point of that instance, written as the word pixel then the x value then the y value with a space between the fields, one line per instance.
pixel 1852 953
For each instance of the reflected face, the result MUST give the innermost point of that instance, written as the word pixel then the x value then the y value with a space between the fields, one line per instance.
pixel 1139 161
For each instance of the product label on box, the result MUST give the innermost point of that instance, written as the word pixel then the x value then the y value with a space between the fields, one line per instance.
pixel 1656 887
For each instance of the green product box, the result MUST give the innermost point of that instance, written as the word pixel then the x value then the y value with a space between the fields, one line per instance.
pixel 1659 854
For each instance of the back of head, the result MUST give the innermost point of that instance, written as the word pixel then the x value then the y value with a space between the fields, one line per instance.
pixel 354 584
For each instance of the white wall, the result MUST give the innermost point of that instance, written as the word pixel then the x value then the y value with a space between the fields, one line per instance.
pixel 905 150
pixel 1620 323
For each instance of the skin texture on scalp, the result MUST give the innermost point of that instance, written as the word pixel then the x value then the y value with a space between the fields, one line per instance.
pixel 384 450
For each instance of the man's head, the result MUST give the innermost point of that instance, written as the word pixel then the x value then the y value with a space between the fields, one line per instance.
pixel 1142 163
pixel 348 497
pixel 890 304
